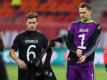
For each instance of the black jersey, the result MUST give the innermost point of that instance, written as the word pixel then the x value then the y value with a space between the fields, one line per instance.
pixel 29 45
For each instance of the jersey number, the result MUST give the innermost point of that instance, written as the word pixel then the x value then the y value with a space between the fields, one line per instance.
pixel 30 52
pixel 82 36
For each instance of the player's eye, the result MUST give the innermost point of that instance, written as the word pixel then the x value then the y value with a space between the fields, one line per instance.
pixel 33 22
pixel 82 12
pixel 29 22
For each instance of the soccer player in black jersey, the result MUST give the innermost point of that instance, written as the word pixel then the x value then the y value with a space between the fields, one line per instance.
pixel 3 74
pixel 30 44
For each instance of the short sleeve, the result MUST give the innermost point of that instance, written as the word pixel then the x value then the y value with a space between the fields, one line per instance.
pixel 16 43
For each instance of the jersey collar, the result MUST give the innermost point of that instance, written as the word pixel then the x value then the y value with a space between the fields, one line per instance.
pixel 87 21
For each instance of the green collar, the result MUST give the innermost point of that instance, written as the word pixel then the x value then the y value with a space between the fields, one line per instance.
pixel 87 21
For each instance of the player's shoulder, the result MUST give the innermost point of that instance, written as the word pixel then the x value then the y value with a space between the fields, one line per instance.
pixel 40 32
pixel 94 22
pixel 73 23
pixel 98 25
pixel 21 34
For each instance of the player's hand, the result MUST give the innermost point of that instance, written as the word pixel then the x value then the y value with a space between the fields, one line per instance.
pixel 21 64
pixel 81 59
pixel 79 52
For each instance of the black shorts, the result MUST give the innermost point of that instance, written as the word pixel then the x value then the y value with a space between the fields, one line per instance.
pixel 23 74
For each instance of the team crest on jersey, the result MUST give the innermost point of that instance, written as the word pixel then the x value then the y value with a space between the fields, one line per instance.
pixel 31 41
pixel 83 30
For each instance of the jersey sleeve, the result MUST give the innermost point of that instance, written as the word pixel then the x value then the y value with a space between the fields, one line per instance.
pixel 70 39
pixel 94 40
pixel 70 42
pixel 16 43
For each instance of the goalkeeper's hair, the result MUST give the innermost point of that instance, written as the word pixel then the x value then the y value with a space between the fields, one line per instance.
pixel 85 5
pixel 32 15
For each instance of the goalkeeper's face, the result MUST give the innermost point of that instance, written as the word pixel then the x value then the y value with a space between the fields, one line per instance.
pixel 32 24
pixel 84 13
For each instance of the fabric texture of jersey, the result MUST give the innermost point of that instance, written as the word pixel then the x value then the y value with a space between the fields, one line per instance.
pixel 29 45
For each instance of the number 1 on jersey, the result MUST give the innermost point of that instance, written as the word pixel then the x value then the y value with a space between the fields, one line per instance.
pixel 82 36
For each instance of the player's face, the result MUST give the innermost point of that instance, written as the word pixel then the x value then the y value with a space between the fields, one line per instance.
pixel 32 24
pixel 84 13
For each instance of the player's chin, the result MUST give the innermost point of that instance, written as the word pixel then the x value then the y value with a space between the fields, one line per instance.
pixel 32 29
pixel 83 18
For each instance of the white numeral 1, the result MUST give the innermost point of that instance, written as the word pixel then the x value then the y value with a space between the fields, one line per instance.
pixel 82 36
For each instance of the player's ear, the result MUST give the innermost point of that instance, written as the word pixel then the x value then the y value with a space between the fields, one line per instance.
pixel 90 12
pixel 26 22
pixel 37 23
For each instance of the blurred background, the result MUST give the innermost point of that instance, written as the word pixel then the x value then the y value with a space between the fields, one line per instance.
pixel 54 19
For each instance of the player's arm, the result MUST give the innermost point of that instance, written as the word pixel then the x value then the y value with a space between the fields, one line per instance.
pixel 70 42
pixel 21 63
pixel 1 43
pixel 58 39
pixel 94 41
pixel 13 55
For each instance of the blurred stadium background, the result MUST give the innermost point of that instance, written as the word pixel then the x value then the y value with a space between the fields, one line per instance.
pixel 55 16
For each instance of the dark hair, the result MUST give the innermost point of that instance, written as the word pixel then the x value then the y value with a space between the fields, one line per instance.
pixel 31 15
pixel 85 5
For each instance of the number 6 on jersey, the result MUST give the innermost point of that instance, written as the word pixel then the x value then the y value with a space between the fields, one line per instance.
pixel 30 52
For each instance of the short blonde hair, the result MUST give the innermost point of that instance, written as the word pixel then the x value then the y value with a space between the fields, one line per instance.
pixel 32 15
